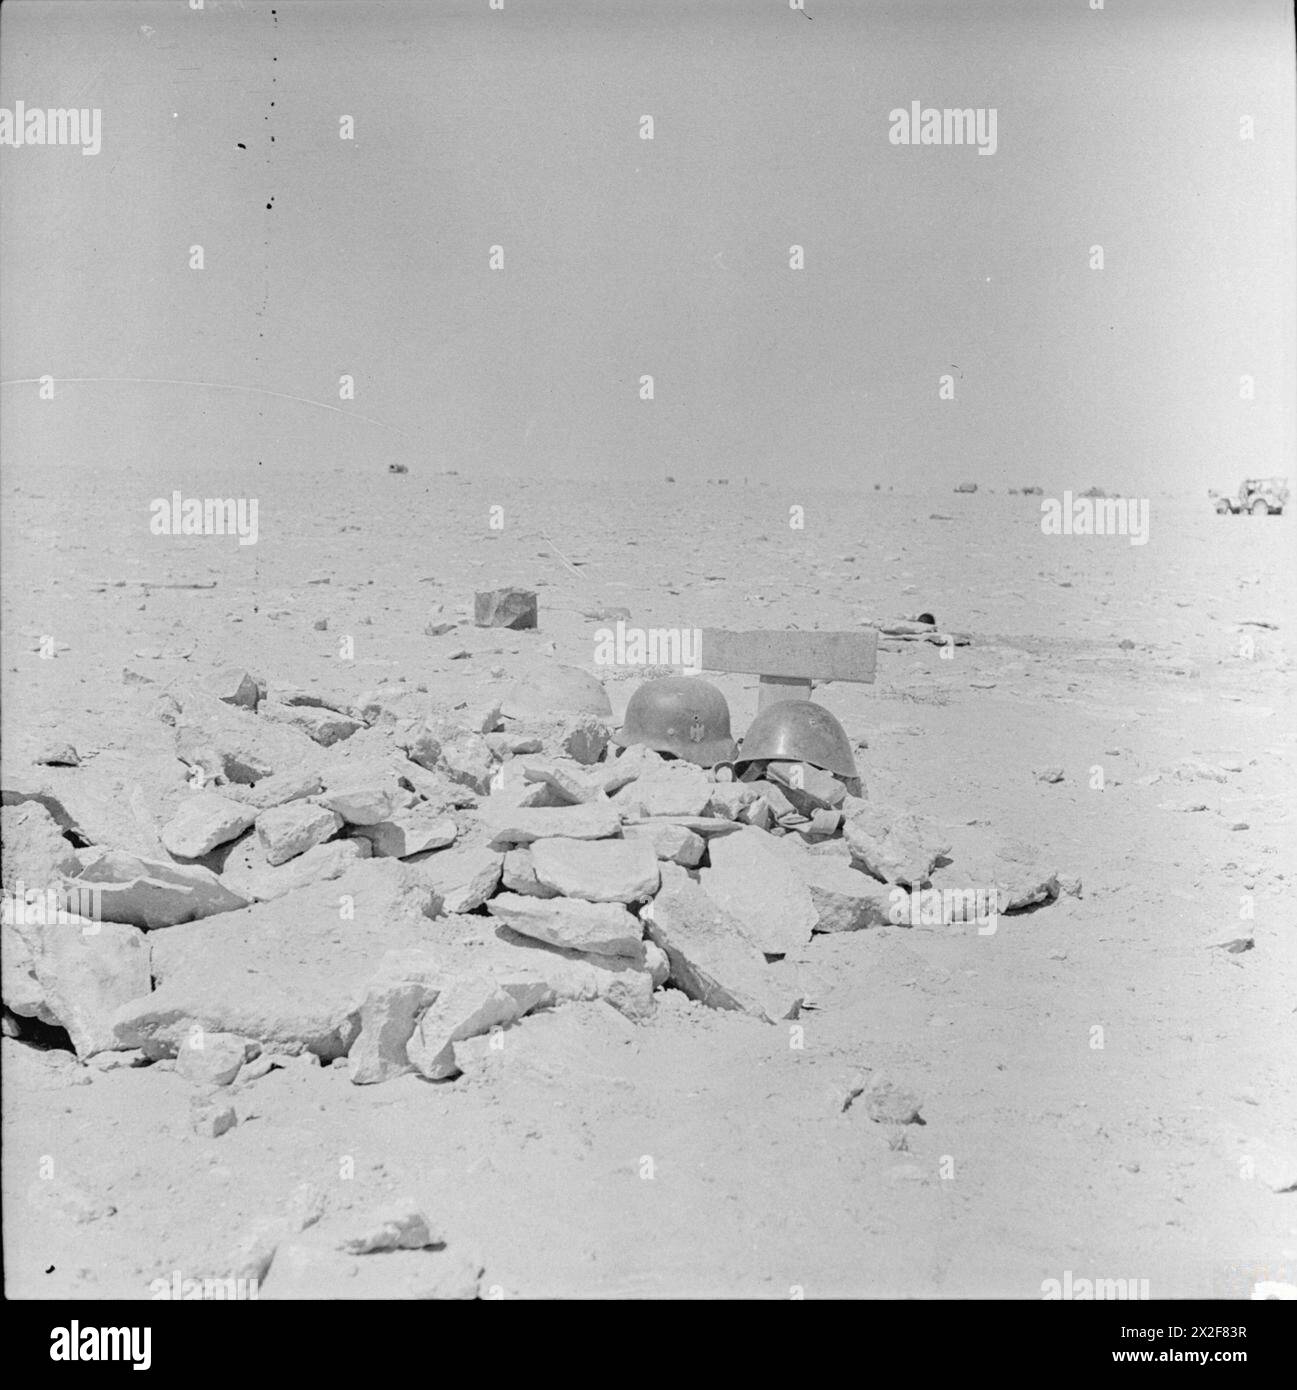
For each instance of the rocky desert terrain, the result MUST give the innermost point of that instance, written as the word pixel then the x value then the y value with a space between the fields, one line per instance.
pixel 1101 1086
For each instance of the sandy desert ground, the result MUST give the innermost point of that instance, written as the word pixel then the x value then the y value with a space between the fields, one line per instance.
pixel 1153 1156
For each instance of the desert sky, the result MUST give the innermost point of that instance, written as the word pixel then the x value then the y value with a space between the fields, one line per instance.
pixel 1161 131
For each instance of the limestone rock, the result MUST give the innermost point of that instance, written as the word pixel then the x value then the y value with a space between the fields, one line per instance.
pixel 728 799
pixel 322 726
pixel 213 1059
pixel 203 821
pixel 751 880
pixel 466 1008
pixel 626 766
pixel 87 970
pixel 1020 874
pixel 464 876
pixel 236 745
pixel 20 944
pixel 467 762
pixel 517 960
pixel 390 704
pixel 254 1251
pixel 712 958
pixel 571 784
pixel 211 1119
pixel 36 853
pixel 844 898
pixel 511 787
pixel 518 875
pixel 671 842
pixel 117 803
pixel 513 608
pixel 59 755
pixel 631 994
pixel 337 701
pixel 885 1101
pixel 598 928
pixel 1023 877
pixel 288 973
pixel 248 872
pixel 365 794
pixel 397 1225
pixel 435 788
pixel 69 1201
pixel 510 825
pixel 286 831
pixel 657 963
pixel 411 832
pixel 598 871
pixel 582 737
pixel 278 790
pixel 674 789
pixel 479 717
pixel 151 893
pixel 234 686
pixel 897 847
pixel 401 989
pixel 310 1268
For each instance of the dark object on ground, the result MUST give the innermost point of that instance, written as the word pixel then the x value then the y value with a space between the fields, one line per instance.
pixel 515 608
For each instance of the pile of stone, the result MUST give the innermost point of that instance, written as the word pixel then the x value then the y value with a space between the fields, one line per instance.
pixel 372 881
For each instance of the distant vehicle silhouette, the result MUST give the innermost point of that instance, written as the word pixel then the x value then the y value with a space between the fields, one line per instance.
pixel 1256 497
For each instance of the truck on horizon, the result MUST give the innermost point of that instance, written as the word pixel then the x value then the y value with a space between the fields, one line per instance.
pixel 1256 497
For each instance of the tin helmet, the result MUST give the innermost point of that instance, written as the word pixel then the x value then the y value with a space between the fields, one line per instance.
pixel 799 731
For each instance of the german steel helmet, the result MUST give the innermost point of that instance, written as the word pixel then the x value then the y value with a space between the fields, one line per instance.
pixel 682 715
pixel 798 731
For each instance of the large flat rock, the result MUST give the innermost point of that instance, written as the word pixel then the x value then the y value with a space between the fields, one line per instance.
pixel 151 893
pixel 712 959
pixel 288 973
pixel 87 970
pixel 598 871
pixel 247 870
pixel 520 825
pixel 602 929
pixel 751 879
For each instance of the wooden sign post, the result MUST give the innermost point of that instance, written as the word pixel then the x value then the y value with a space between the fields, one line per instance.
pixel 787 662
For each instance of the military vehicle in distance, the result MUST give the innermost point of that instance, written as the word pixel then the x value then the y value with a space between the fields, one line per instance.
pixel 1257 497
